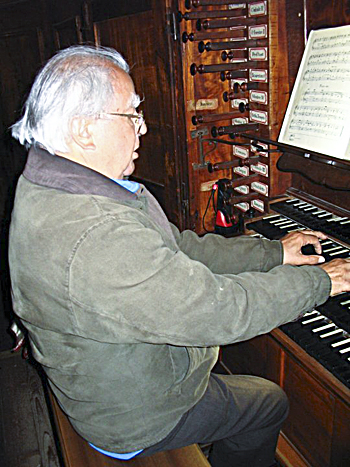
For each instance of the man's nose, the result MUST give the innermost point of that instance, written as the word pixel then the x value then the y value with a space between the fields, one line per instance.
pixel 143 129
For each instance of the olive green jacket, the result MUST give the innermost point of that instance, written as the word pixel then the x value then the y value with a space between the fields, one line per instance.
pixel 124 312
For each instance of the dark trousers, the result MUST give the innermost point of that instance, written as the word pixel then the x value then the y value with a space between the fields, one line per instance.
pixel 240 415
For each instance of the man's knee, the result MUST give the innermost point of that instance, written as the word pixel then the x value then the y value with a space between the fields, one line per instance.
pixel 277 401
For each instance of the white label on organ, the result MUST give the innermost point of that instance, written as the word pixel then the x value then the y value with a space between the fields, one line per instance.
pixel 242 206
pixel 257 32
pixel 259 53
pixel 243 171
pixel 234 7
pixel 258 75
pixel 258 96
pixel 236 102
pixel 260 188
pixel 244 189
pixel 243 153
pixel 260 168
pixel 257 9
pixel 240 121
pixel 207 104
pixel 258 204
pixel 259 116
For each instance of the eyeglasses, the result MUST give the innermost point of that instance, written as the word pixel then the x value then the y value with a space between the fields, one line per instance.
pixel 137 119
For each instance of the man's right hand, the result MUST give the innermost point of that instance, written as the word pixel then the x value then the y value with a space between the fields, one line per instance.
pixel 339 272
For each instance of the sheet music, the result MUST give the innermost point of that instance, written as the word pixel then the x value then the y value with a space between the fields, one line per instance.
pixel 318 113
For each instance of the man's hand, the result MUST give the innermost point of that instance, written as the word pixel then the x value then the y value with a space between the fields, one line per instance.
pixel 339 272
pixel 293 243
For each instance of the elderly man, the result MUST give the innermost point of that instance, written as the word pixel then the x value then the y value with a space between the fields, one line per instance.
pixel 123 311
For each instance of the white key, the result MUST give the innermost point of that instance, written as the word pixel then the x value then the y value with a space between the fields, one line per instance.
pixel 339 343
pixel 331 333
pixel 323 328
pixel 282 221
pixel 340 252
pixel 334 248
pixel 275 221
pixel 271 216
pixel 313 312
pixel 312 320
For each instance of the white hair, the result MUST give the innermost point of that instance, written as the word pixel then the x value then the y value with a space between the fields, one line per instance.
pixel 77 81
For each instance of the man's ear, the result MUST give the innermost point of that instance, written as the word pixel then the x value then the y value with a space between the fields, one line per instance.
pixel 82 133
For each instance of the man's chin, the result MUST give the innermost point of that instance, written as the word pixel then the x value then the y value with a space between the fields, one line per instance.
pixel 129 170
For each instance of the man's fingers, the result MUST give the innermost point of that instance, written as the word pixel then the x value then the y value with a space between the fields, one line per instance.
pixel 313 259
pixel 316 233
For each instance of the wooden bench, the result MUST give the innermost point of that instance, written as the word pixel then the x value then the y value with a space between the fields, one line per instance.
pixel 77 452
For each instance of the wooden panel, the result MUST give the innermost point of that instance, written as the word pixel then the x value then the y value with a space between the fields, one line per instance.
pixel 68 32
pixel 140 55
pixel 274 361
pixel 341 436
pixel 295 27
pixel 309 424
pixel 144 40
pixel 106 9
pixel 246 357
pixel 327 13
pixel 287 455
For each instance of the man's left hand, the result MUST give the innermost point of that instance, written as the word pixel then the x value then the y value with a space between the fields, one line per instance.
pixel 293 243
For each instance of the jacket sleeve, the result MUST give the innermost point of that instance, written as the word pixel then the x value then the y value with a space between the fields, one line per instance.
pixel 127 285
pixel 230 255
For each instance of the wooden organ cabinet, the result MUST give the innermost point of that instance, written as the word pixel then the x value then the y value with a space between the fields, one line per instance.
pixel 235 65
pixel 240 61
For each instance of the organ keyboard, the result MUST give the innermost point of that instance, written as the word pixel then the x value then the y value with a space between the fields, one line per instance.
pixel 324 333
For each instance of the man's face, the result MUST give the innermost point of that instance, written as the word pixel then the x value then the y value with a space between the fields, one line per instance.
pixel 117 138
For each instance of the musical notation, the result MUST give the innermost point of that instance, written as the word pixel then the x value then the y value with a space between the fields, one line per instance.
pixel 317 117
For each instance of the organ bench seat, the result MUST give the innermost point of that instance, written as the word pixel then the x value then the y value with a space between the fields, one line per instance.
pixel 77 452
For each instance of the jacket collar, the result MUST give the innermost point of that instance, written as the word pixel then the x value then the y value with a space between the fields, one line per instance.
pixel 43 168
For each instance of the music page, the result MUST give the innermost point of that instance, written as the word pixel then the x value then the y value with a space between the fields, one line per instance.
pixel 318 113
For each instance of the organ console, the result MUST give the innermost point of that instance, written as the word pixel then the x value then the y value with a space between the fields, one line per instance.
pixel 256 53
